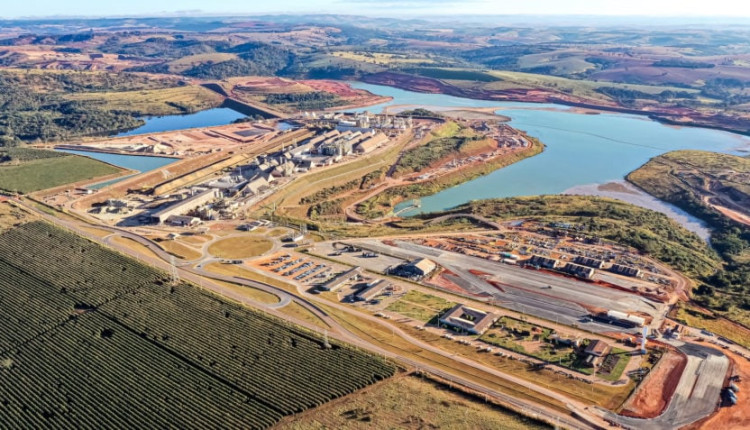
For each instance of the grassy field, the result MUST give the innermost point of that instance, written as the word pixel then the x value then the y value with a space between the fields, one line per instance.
pixel 381 58
pixel 168 101
pixel 383 337
pixel 240 247
pixel 420 306
pixel 182 64
pixel 694 317
pixel 179 250
pixel 46 173
pixel 411 402
pixel 249 292
pixel 12 216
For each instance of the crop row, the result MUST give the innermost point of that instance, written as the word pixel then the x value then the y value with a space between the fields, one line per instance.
pixel 29 306
pixel 279 365
pixel 73 264
pixel 86 325
pixel 76 377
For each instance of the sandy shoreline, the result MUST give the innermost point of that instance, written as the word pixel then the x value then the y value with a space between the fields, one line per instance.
pixel 628 193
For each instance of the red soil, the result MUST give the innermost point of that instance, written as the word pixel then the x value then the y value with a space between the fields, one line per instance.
pixel 654 394
pixel 333 87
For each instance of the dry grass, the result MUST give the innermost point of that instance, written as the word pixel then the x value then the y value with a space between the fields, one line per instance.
pixel 383 337
pixel 249 292
pixel 135 246
pixel 179 250
pixel 240 247
pixel 409 402
pixel 12 216
pixel 297 311
pixel 238 270
pixel 95 231
pixel 169 101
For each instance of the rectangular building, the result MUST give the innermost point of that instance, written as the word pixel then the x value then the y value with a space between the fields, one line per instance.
pixel 184 206
pixel 340 280
pixel 372 290
pixel 468 319
pixel 625 270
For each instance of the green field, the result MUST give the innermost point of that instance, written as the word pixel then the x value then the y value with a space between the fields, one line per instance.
pixel 34 174
pixel 167 101
pixel 93 339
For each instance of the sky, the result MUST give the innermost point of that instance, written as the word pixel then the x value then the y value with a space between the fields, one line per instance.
pixel 405 8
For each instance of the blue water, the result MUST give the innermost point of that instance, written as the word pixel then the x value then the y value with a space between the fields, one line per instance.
pixel 206 118
pixel 580 149
pixel 141 163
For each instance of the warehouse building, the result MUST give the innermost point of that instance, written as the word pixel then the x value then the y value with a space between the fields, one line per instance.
pixel 416 269
pixel 184 206
pixel 371 144
pixel 625 270
pixel 341 279
pixel 589 262
pixel 579 271
pixel 469 320
pixel 372 290
pixel 544 262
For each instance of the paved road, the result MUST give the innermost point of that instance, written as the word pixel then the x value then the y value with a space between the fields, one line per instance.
pixel 697 393
pixel 337 331
pixel 527 291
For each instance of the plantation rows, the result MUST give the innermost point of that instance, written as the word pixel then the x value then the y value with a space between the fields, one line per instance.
pixel 92 339
pixel 29 306
pixel 277 364
pixel 77 378
pixel 73 264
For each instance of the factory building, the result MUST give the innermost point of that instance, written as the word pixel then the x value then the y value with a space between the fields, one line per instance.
pixel 184 206
pixel 468 319
pixel 370 144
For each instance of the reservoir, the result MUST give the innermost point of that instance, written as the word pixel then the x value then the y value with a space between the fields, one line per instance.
pixel 205 118
pixel 141 163
pixel 581 150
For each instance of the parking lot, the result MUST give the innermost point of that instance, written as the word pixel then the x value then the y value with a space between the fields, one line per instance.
pixel 375 263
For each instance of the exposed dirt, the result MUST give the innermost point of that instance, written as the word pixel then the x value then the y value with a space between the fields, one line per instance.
pixel 652 398
pixel 666 114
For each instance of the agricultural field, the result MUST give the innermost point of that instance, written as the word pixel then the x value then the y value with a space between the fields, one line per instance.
pixel 97 325
pixel 27 170
pixel 411 402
